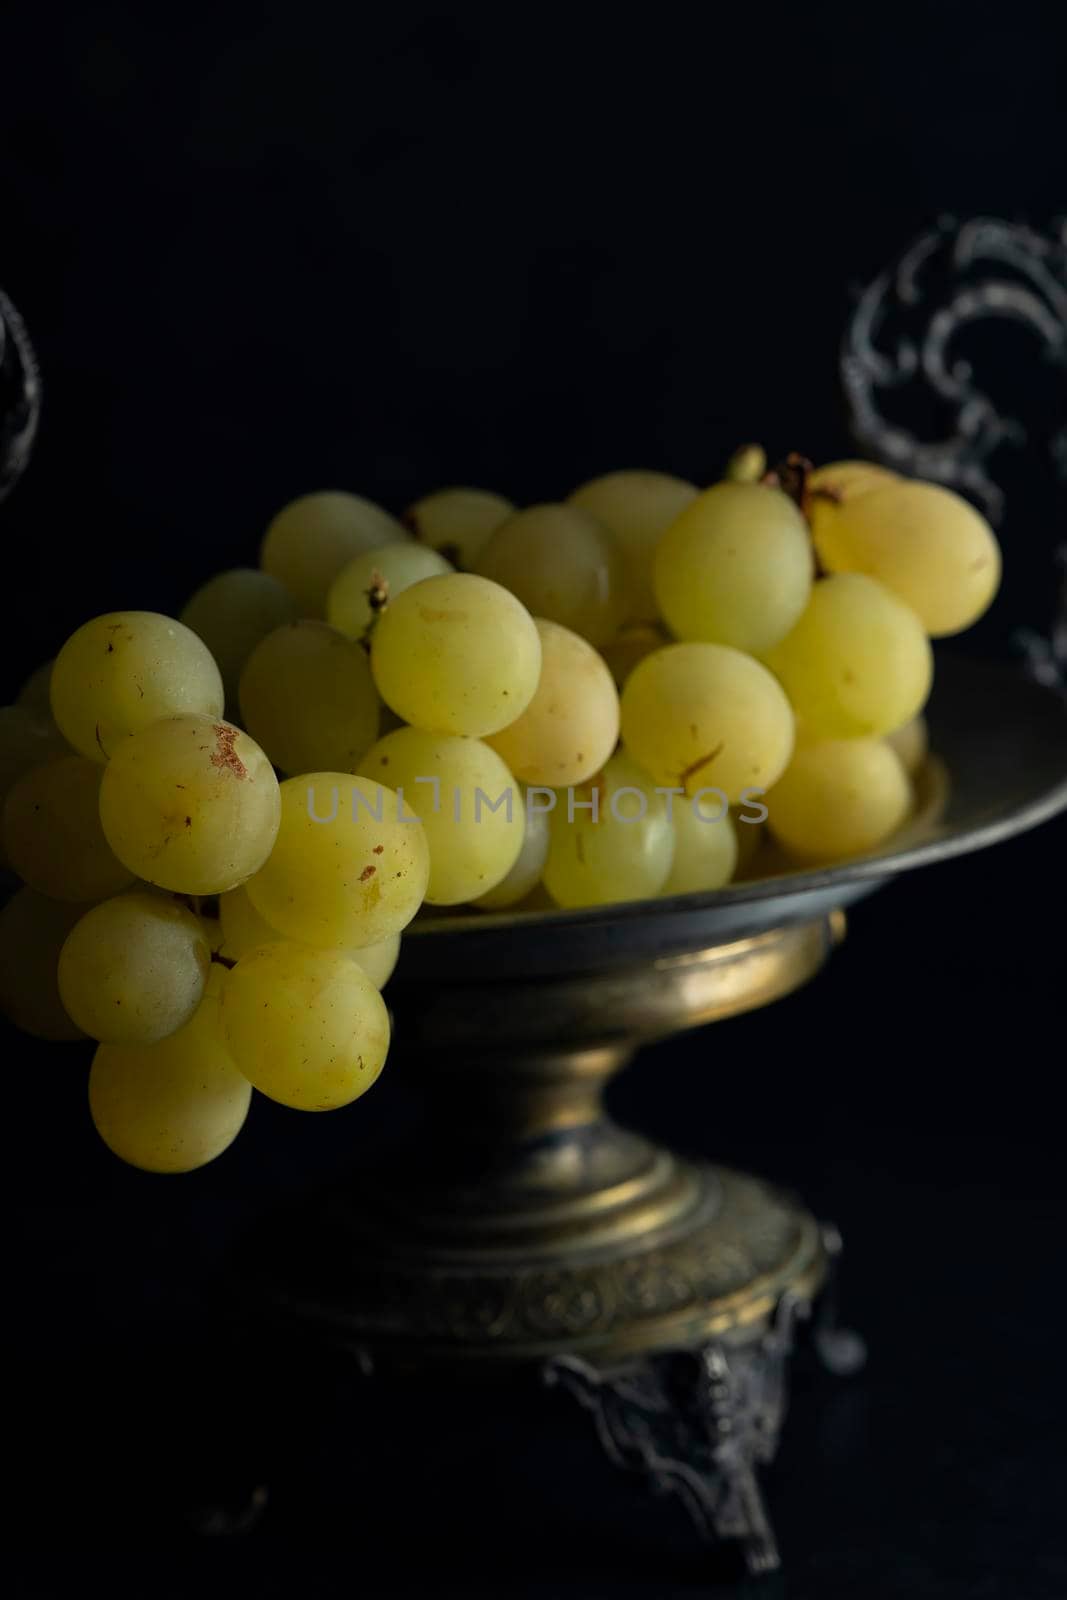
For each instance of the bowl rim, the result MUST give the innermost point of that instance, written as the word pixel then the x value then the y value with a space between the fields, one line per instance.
pixel 926 837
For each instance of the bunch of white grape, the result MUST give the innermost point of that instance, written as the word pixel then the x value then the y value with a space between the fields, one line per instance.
pixel 223 823
pixel 178 904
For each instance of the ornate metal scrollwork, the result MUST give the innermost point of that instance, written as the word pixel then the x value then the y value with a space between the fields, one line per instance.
pixel 1045 655
pixel 20 396
pixel 906 330
pixel 904 338
pixel 698 1423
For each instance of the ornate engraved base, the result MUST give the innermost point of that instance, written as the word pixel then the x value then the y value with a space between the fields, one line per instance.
pixel 677 1339
pixel 727 1250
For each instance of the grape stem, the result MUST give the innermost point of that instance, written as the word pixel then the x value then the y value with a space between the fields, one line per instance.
pixel 377 599
pixel 791 476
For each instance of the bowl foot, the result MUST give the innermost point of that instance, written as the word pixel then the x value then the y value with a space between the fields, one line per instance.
pixel 698 1424
pixel 676 1341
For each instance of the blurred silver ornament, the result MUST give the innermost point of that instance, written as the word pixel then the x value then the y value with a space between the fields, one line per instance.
pixel 903 337
pixel 20 396
pixel 906 330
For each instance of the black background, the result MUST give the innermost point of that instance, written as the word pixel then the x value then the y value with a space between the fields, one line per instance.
pixel 268 249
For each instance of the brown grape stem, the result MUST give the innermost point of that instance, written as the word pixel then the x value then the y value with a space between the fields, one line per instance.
pixel 377 599
pixel 791 476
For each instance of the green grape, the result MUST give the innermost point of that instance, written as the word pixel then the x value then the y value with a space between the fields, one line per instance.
pixel 705 847
pixel 911 743
pixel 243 929
pixel 704 716
pixel 378 960
pixel 458 522
pixel 747 464
pixel 123 671
pixel 36 692
pixel 456 654
pixel 571 725
pixel 470 805
pixel 306 1027
pixel 928 546
pixel 349 868
pixel 838 798
pixel 564 565
pixel 32 931
pixel 134 969
pixel 538 899
pixel 637 507
pixel 833 485
pixel 307 696
pixel 176 1105
pixel 190 804
pixel 843 479
pixel 735 568
pixel 389 569
pixel 52 832
pixel 313 538
pixel 529 864
pixel 27 740
pixel 232 613
pixel 631 645
pixel 857 662
pixel 622 850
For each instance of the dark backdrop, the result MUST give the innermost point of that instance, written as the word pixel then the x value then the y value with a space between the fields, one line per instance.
pixel 268 249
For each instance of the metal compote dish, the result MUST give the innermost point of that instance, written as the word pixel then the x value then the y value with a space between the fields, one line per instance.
pixel 524 1225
